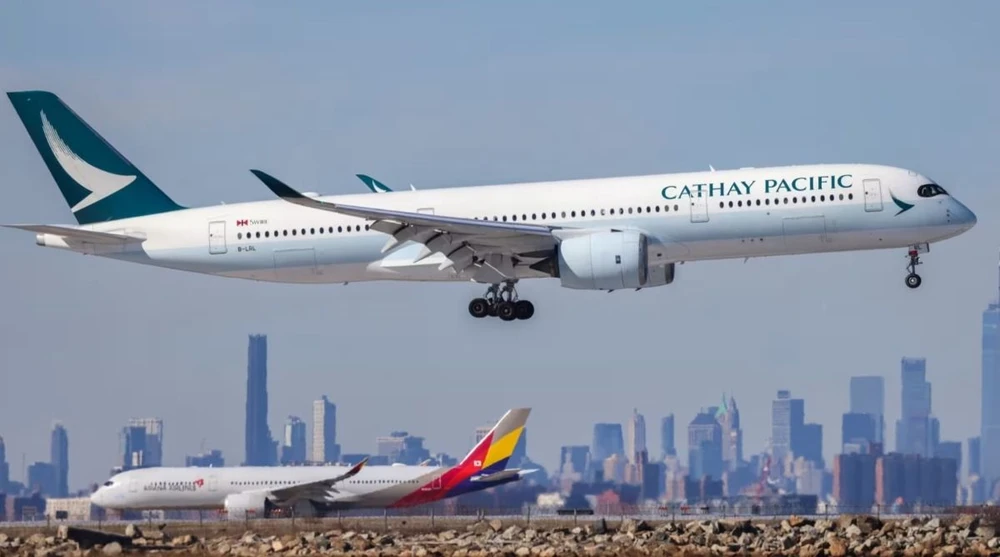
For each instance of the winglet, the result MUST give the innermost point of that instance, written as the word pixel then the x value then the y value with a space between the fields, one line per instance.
pixel 278 187
pixel 373 184
pixel 356 468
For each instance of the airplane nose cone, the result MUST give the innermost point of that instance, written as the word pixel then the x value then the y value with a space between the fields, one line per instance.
pixel 965 216
pixel 97 498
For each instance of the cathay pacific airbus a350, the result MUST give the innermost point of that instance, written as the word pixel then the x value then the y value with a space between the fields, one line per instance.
pixel 597 234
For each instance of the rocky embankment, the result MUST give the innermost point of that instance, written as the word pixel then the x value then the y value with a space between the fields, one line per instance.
pixel 863 535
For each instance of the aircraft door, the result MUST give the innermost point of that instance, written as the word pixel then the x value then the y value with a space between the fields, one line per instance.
pixel 873 195
pixel 213 483
pixel 133 486
pixel 217 237
pixel 699 207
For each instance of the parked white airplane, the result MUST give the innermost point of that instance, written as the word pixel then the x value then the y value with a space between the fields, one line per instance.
pixel 597 234
pixel 316 490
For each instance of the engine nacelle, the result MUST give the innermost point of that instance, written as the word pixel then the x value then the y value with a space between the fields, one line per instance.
pixel 604 261
pixel 247 505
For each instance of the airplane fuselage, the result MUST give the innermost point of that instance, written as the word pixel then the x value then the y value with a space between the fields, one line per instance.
pixel 754 212
pixel 208 488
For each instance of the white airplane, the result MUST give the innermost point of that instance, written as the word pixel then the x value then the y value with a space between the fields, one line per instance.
pixel 597 234
pixel 316 490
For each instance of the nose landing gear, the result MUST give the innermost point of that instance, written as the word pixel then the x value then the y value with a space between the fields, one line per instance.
pixel 913 280
pixel 502 303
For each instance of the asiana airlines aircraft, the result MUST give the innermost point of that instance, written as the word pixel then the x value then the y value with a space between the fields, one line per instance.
pixel 316 490
pixel 601 234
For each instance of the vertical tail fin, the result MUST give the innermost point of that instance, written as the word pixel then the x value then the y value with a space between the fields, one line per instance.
pixel 97 181
pixel 494 450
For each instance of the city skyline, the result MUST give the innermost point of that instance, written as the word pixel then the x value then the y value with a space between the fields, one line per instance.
pixel 413 108
pixel 716 430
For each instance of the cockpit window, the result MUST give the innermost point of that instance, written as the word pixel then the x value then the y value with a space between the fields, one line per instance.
pixel 930 190
pixel 109 483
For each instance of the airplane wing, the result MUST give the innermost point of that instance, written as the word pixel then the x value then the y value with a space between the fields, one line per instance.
pixel 463 241
pixel 317 490
pixel 78 234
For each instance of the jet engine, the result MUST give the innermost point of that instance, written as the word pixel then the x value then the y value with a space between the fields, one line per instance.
pixel 247 505
pixel 604 261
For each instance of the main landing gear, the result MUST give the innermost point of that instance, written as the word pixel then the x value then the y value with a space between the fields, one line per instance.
pixel 502 303
pixel 913 279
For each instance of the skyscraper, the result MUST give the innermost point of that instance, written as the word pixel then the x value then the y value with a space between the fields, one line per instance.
pixel 728 416
pixel 635 441
pixel 59 458
pixel 293 450
pixel 520 449
pixel 153 445
pixel 4 468
pixel 974 456
pixel 989 432
pixel 325 448
pixel 787 421
pixel 260 445
pixel 142 443
pixel 915 428
pixel 667 436
pixel 608 440
pixel 868 397
pixel 705 445
pixel 859 430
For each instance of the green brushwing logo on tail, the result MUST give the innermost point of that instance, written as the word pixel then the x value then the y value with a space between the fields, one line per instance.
pixel 903 206
pixel 97 181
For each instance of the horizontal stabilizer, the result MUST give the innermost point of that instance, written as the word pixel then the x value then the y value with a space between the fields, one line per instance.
pixel 78 234
pixel 509 474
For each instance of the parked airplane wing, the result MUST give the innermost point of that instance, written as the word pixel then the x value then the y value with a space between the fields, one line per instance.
pixel 459 239
pixel 78 234
pixel 316 489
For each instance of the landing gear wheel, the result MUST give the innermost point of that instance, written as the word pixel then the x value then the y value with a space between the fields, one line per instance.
pixel 479 308
pixel 524 309
pixel 505 311
pixel 913 279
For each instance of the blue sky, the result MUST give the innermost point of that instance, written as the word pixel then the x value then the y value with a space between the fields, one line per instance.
pixel 450 94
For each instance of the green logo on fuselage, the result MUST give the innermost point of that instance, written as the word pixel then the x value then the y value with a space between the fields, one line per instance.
pixel 903 206
pixel 769 186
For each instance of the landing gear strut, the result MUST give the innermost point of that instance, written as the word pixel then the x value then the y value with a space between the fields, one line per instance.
pixel 913 279
pixel 501 302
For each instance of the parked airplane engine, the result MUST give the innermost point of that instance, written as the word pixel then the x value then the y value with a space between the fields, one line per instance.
pixel 604 261
pixel 240 506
